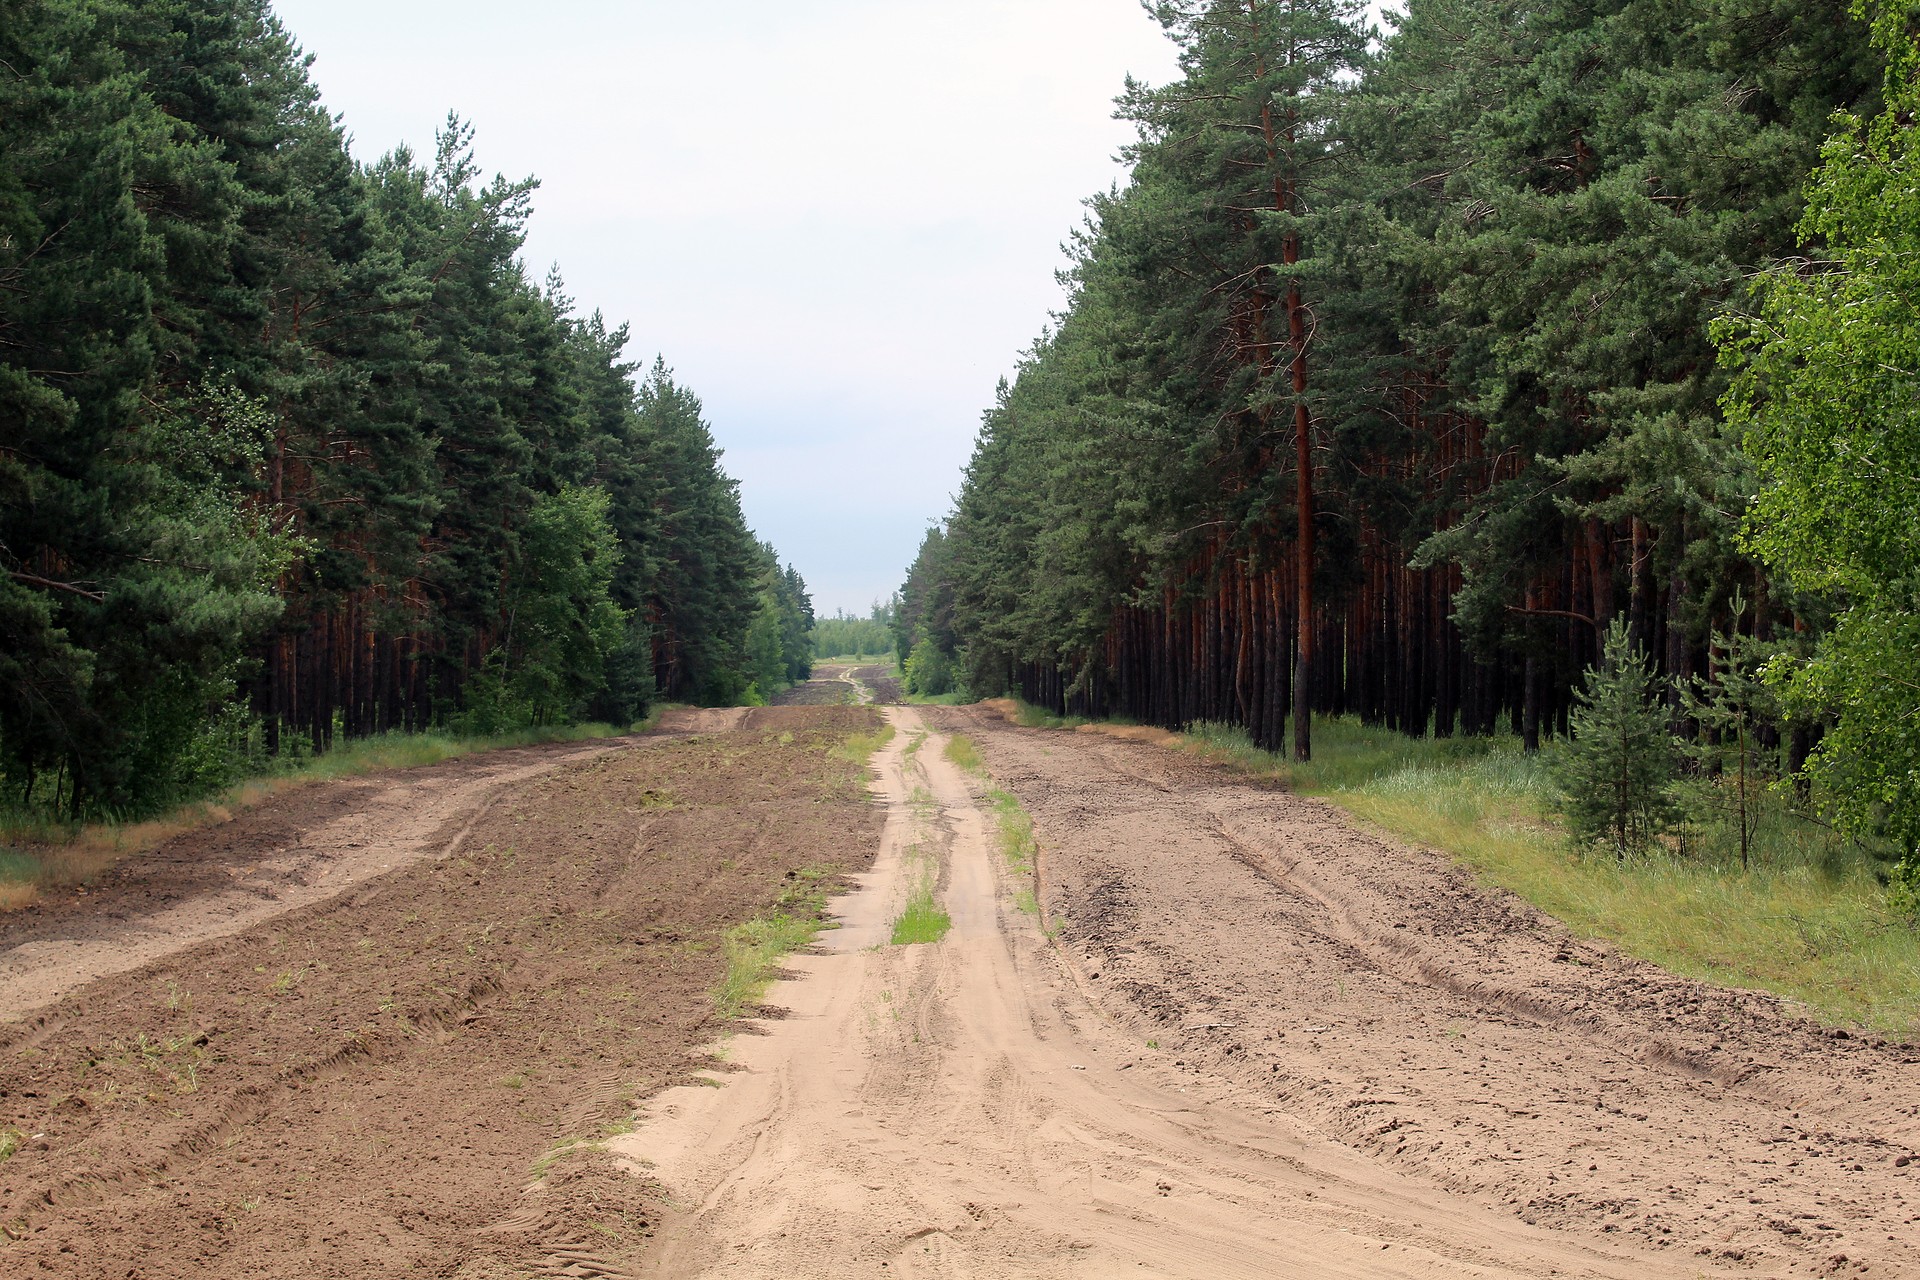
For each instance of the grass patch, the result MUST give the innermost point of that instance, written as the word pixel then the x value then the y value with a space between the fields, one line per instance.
pixel 961 751
pixel 922 920
pixel 1810 921
pixel 36 854
pixel 955 699
pixel 754 951
pixel 1018 846
pixel 858 748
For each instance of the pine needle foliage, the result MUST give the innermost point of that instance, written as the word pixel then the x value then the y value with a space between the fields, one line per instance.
pixel 1615 777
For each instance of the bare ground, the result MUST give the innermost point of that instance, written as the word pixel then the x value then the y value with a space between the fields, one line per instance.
pixel 1240 1039
pixel 410 1077
pixel 884 683
pixel 976 1107
pixel 1452 1033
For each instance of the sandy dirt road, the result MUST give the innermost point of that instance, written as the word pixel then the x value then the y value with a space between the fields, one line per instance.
pixel 965 1108
pixel 1286 962
pixel 1234 1037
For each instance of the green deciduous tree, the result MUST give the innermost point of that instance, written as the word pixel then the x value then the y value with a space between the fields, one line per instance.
pixel 1827 391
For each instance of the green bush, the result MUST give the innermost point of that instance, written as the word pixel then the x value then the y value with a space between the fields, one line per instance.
pixel 929 671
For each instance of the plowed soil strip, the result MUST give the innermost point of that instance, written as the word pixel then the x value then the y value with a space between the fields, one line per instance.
pixel 964 1108
pixel 415 1076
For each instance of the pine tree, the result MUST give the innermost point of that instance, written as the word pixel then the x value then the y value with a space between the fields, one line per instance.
pixel 1615 775
pixel 1733 709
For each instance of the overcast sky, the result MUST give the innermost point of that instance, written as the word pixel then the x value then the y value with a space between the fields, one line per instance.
pixel 838 220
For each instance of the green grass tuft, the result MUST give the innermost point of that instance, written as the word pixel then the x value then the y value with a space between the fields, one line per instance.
pixel 1018 846
pixel 754 951
pixel 961 751
pixel 922 920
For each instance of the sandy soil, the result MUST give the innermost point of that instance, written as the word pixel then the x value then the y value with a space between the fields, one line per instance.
pixel 967 1109
pixel 412 1076
pixel 833 684
pixel 1238 1039
pixel 1452 1034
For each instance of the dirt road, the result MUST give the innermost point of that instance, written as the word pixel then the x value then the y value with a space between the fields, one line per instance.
pixel 1232 1037
pixel 1286 963
pixel 300 848
pixel 967 1108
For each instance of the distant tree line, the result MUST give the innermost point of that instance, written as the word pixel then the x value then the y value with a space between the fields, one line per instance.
pixel 291 448
pixel 1402 370
pixel 850 635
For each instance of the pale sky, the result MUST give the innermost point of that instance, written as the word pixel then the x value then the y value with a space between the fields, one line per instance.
pixel 838 220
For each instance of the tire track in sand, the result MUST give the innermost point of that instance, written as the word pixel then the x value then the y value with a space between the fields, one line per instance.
pixel 960 1109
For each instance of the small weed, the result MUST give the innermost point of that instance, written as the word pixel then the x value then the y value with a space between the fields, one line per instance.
pixel 544 1162
pixel 288 979
pixel 1153 1044
pixel 10 1140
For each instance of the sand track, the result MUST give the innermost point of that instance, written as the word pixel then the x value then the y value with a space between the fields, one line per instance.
pixel 1241 1038
pixel 1452 1033
pixel 965 1108
pixel 412 1076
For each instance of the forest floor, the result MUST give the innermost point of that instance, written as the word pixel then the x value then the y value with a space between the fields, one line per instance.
pixel 1232 1036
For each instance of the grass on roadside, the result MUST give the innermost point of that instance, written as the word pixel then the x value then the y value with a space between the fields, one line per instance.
pixel 961 751
pixel 938 699
pixel 1809 921
pixel 754 949
pixel 36 855
pixel 858 748
pixel 1017 845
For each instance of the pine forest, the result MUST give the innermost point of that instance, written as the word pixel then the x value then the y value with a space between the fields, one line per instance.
pixel 1410 367
pixel 293 450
